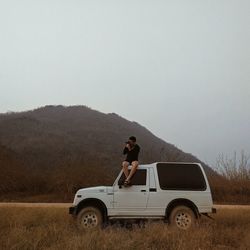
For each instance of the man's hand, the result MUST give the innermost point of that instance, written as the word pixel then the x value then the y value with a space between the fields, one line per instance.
pixel 128 146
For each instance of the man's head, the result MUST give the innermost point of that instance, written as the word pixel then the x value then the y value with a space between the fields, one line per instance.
pixel 132 140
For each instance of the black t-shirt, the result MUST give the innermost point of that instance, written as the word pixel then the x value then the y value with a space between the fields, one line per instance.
pixel 133 154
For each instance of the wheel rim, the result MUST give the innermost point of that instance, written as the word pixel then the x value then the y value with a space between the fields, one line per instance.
pixel 89 220
pixel 183 220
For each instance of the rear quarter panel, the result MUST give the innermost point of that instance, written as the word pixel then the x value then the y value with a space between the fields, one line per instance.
pixel 158 201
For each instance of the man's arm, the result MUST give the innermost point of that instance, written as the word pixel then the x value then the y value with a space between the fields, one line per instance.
pixel 125 150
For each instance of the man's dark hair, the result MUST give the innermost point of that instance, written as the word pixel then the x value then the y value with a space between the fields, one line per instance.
pixel 132 138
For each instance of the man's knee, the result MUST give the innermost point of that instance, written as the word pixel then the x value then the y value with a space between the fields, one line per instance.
pixel 135 164
pixel 125 164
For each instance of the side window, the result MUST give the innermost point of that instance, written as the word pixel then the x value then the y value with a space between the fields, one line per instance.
pixel 176 176
pixel 139 178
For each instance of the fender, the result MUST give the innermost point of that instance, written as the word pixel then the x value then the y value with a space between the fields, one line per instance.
pixel 181 201
pixel 89 202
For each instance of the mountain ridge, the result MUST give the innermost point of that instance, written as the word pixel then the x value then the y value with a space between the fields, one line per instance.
pixel 78 146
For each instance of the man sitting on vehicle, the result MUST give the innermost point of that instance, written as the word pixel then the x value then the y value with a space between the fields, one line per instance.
pixel 132 151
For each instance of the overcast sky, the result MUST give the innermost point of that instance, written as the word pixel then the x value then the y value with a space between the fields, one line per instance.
pixel 180 68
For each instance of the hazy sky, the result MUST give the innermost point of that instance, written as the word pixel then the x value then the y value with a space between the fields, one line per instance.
pixel 180 68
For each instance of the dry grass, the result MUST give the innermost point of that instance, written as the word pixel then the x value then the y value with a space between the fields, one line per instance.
pixel 53 228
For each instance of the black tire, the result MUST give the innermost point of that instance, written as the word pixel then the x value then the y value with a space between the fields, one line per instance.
pixel 182 217
pixel 89 218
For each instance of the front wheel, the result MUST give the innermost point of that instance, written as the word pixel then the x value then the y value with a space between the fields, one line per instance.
pixel 89 218
pixel 182 217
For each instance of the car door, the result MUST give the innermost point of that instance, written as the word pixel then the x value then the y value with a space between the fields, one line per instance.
pixel 132 200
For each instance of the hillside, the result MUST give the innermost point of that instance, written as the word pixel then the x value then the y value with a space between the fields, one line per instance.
pixel 63 148
pixel 11 166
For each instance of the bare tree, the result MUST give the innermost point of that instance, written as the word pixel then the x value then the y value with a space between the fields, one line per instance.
pixel 234 168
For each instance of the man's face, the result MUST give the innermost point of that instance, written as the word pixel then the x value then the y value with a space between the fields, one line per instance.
pixel 132 143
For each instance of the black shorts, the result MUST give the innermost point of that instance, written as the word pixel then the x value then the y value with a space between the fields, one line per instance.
pixel 130 161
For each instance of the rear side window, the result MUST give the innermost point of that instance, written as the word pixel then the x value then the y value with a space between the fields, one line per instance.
pixel 139 178
pixel 176 176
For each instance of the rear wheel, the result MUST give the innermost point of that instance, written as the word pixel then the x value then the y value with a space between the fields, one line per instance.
pixel 89 218
pixel 182 217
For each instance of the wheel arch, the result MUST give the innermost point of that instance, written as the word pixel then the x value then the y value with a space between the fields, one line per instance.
pixel 95 203
pixel 181 202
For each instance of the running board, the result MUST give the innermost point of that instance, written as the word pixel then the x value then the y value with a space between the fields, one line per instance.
pixel 136 217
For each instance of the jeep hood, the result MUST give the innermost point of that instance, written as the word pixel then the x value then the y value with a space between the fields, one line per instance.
pixel 99 189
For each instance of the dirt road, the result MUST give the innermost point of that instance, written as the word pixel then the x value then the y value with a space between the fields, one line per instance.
pixel 31 204
pixel 66 205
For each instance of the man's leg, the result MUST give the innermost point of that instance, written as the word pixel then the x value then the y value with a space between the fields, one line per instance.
pixel 125 165
pixel 133 170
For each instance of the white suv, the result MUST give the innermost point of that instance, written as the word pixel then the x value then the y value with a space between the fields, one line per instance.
pixel 175 192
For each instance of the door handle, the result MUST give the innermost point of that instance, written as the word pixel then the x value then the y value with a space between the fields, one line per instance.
pixel 143 191
pixel 152 190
